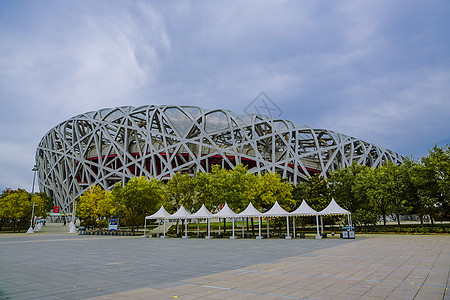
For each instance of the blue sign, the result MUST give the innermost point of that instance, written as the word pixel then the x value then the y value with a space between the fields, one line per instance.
pixel 113 224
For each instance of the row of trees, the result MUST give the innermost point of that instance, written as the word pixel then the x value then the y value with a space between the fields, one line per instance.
pixel 419 187
pixel 141 196
pixel 16 208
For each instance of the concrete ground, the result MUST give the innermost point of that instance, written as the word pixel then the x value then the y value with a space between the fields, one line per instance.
pixel 53 264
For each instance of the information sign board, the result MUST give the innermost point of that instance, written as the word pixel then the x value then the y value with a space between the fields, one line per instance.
pixel 113 224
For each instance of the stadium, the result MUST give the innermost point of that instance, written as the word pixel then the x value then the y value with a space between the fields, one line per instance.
pixel 115 144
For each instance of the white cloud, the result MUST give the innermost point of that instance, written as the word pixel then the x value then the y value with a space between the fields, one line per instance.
pixel 377 70
pixel 96 60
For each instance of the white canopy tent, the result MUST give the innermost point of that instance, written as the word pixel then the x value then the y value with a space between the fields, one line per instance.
pixel 225 213
pixel 277 211
pixel 182 213
pixel 251 212
pixel 334 209
pixel 203 213
pixel 305 210
pixel 160 214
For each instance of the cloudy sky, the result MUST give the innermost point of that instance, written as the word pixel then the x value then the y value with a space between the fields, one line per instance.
pixel 376 70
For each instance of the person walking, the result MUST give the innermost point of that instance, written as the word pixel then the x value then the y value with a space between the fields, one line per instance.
pixel 64 222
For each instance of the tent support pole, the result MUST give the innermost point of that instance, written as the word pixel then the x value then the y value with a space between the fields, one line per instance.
pixel 233 237
pixel 267 222
pixel 288 237
pixel 259 229
pixel 242 227
pixel 293 226
pixel 209 236
pixel 317 225
pixel 185 229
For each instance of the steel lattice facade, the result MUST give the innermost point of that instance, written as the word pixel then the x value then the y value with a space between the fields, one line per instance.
pixel 114 145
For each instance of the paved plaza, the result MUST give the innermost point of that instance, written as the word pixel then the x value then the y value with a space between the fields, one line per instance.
pixel 58 265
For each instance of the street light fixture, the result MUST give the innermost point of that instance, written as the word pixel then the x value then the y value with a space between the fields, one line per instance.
pixel 30 230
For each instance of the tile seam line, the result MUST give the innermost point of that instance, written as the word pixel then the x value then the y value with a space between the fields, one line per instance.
pixel 245 291
pixel 446 293
pixel 342 278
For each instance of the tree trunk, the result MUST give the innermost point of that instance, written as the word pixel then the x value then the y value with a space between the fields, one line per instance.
pixel 384 219
pixel 279 228
pixel 432 220
pixel 253 228
pixel 421 219
pixel 182 226
pixel 398 219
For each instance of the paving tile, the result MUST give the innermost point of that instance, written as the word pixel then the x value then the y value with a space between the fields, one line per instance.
pixel 339 269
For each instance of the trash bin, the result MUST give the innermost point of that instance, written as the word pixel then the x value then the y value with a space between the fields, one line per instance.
pixel 348 232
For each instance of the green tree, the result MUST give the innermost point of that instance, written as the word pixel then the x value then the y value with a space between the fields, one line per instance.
pixel 93 204
pixel 180 190
pixel 271 188
pixel 426 197
pixel 438 161
pixel 237 187
pixel 349 191
pixel 15 206
pixel 385 190
pixel 344 189
pixel 138 197
pixel 316 191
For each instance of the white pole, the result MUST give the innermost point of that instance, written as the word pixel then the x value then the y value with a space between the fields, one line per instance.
pixel 317 225
pixel 185 227
pixel 159 228
pixel 233 227
pixel 209 236
pixel 242 227
pixel 30 230
pixel 198 226
pixel 259 227
pixel 287 223
pixel 219 226
pixel 293 225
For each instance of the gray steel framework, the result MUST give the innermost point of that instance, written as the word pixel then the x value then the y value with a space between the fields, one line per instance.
pixel 111 145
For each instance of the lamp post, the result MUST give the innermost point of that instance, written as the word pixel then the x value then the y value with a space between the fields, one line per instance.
pixel 30 230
